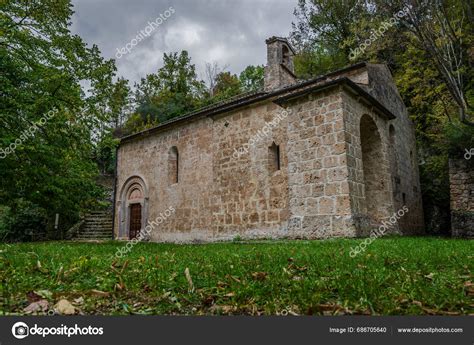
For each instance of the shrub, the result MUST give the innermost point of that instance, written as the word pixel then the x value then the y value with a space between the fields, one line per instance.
pixel 24 221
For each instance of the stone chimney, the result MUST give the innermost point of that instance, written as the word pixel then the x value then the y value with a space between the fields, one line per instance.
pixel 279 71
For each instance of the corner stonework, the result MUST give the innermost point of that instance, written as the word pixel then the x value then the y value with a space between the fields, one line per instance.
pixel 461 177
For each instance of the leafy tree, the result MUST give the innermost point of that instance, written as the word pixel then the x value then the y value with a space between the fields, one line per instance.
pixel 119 102
pixel 251 78
pixel 322 31
pixel 315 60
pixel 227 85
pixel 212 70
pixel 441 30
pixel 42 68
pixel 430 54
pixel 171 92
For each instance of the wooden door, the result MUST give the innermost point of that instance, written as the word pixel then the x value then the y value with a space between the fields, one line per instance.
pixel 135 220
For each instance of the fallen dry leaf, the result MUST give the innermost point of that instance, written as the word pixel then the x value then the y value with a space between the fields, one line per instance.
pixel 325 307
pixel 64 307
pixel 208 301
pixel 33 297
pixel 429 276
pixel 125 265
pixel 190 281
pixel 260 275
pixel 35 307
pixel 224 309
pixel 234 278
pixel 99 293
pixel 41 268
pixel 44 293
pixel 119 286
pixel 60 272
pixel 330 309
pixel 222 284
pixel 79 300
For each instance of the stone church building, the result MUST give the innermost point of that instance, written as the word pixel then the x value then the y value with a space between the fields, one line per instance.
pixel 333 156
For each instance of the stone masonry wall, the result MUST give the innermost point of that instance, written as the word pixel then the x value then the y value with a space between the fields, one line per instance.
pixel 405 171
pixel 277 74
pixel 148 159
pixel 369 177
pixel 377 80
pixel 461 177
pixel 320 190
pixel 318 185
pixel 220 194
pixel 251 200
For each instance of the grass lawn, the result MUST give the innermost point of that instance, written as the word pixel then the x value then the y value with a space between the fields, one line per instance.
pixel 395 276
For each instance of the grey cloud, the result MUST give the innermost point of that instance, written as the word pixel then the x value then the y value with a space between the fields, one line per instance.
pixel 232 33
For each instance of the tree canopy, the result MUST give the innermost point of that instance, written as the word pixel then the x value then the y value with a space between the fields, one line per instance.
pixel 44 69
pixel 428 45
pixel 62 107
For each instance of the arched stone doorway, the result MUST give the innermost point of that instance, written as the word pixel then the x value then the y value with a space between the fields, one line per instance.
pixel 377 199
pixel 133 208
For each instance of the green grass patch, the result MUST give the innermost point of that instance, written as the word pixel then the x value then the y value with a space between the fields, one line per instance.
pixel 394 276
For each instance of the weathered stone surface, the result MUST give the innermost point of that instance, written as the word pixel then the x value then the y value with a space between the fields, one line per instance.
pixel 461 177
pixel 344 168
pixel 279 70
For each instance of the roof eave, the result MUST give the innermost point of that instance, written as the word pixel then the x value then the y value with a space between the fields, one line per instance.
pixel 258 97
pixel 349 86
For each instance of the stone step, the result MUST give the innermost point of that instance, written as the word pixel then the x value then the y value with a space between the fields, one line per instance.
pixel 97 226
pixel 92 239
pixel 98 221
pixel 95 232
pixel 94 235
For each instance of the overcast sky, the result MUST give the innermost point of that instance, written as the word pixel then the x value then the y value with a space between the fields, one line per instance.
pixel 230 32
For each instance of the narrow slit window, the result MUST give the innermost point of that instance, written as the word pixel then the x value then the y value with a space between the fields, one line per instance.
pixel 173 165
pixel 274 158
pixel 285 55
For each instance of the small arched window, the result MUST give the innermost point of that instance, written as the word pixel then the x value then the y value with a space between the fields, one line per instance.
pixel 392 135
pixel 273 158
pixel 173 165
